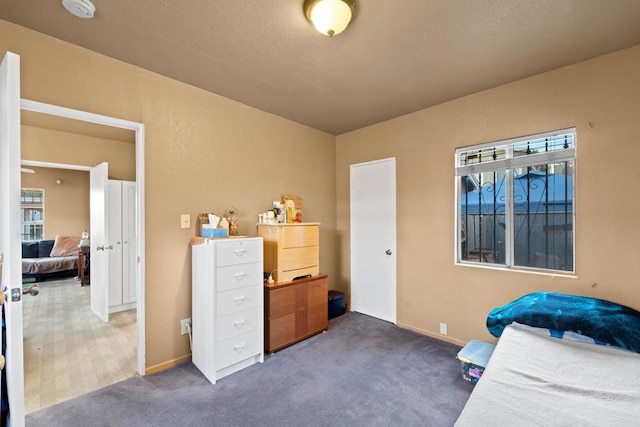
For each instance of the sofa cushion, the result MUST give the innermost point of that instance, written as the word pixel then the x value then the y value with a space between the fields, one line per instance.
pixel 30 249
pixel 44 248
pixel 65 246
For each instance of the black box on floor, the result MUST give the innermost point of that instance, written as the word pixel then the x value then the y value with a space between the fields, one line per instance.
pixel 336 304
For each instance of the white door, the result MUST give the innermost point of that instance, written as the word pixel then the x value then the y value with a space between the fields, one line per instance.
pixel 114 239
pixel 98 200
pixel 10 232
pixel 373 239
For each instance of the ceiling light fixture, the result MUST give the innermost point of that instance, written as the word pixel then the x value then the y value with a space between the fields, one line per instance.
pixel 80 8
pixel 330 17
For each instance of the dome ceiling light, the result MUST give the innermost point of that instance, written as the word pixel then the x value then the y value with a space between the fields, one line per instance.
pixel 80 8
pixel 330 17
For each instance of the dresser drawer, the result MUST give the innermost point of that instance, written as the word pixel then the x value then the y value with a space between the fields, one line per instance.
pixel 232 325
pixel 300 235
pixel 238 348
pixel 237 300
pixel 294 258
pixel 288 276
pixel 238 276
pixel 238 251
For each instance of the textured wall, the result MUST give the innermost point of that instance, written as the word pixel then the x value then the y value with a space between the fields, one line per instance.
pixel 66 205
pixel 604 92
pixel 203 153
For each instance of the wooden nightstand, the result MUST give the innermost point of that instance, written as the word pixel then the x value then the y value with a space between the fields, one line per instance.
pixel 84 275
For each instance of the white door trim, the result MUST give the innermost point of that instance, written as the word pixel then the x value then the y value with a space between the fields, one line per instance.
pixel 138 128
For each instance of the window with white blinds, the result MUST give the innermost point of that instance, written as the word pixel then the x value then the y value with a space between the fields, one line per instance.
pixel 515 202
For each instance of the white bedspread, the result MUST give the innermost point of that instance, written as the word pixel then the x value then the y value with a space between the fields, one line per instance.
pixel 534 380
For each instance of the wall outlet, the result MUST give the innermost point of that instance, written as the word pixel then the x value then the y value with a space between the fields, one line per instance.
pixel 443 328
pixel 185 221
pixel 183 326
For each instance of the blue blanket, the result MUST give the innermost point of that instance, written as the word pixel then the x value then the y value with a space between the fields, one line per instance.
pixel 601 320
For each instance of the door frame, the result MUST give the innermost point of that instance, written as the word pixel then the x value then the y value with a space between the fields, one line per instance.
pixel 392 161
pixel 138 128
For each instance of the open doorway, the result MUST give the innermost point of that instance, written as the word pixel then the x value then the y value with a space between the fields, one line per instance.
pixel 112 351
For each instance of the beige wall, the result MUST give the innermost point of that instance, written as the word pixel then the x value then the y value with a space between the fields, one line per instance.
pixel 46 145
pixel 601 98
pixel 203 153
pixel 66 205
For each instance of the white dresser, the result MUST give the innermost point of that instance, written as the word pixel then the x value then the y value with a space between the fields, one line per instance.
pixel 227 307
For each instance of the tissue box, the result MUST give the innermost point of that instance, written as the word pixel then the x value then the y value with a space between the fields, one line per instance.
pixel 215 232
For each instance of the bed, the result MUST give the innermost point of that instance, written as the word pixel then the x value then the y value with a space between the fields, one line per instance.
pixel 536 379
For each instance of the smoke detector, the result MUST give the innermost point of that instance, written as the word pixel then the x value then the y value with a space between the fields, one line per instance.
pixel 80 8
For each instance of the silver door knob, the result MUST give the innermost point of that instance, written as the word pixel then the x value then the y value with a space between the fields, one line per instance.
pixel 388 252
pixel 102 248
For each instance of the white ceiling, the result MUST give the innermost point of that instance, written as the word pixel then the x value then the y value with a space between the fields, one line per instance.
pixel 397 56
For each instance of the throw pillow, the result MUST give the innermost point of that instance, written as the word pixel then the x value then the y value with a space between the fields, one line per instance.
pixel 65 246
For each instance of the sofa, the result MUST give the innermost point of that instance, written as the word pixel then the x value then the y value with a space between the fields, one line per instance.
pixel 50 259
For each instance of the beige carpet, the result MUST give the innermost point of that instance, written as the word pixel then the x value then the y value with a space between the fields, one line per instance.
pixel 68 351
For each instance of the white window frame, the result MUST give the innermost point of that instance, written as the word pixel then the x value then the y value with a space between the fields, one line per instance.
pixel 508 163
pixel 22 221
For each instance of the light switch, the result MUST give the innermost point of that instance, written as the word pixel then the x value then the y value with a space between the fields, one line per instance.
pixel 185 221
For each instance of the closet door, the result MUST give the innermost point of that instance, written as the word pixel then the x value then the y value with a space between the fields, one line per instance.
pixel 128 242
pixel 114 242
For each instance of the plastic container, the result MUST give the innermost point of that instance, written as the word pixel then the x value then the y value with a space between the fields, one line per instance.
pixel 474 358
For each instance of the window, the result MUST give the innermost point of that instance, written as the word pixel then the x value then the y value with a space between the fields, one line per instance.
pixel 515 202
pixel 32 214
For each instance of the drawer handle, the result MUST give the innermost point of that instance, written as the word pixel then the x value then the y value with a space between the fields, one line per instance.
pixel 239 323
pixel 239 300
pixel 240 252
pixel 240 276
pixel 239 347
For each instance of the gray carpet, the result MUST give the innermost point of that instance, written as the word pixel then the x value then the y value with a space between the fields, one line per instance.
pixel 362 372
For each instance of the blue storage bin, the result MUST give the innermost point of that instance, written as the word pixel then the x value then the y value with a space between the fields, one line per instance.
pixel 474 358
pixel 336 304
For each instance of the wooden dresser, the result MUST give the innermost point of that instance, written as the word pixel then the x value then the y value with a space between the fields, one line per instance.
pixel 291 250
pixel 227 305
pixel 295 311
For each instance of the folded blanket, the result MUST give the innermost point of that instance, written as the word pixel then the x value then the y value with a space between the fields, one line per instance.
pixel 601 320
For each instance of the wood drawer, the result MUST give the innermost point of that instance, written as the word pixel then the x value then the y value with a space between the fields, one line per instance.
pixel 238 348
pixel 236 324
pixel 237 300
pixel 281 301
pixel 299 236
pixel 282 331
pixel 238 251
pixel 295 258
pixel 288 276
pixel 238 276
